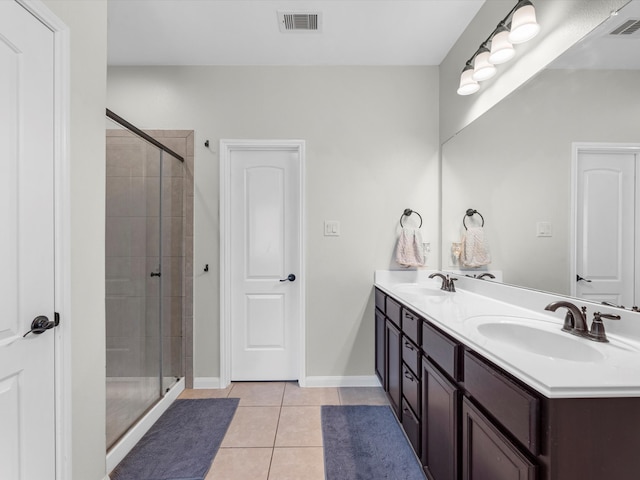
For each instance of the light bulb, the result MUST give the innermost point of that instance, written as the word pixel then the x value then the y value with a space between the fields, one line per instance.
pixel 483 69
pixel 501 48
pixel 468 85
pixel 523 23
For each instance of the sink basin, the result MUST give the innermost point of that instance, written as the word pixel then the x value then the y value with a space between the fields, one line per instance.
pixel 418 289
pixel 539 338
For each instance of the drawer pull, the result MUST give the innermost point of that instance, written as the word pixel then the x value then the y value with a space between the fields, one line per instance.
pixel 409 376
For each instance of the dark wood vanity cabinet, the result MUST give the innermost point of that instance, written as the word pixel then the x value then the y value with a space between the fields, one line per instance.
pixel 467 419
pixel 487 453
pixel 393 366
pixel 440 419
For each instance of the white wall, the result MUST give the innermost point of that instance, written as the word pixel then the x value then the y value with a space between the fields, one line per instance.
pixel 372 150
pixel 562 23
pixel 514 163
pixel 87 22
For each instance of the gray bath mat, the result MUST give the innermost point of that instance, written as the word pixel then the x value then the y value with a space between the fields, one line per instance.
pixel 181 444
pixel 366 443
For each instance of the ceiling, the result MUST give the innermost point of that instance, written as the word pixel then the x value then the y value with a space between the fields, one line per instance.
pixel 246 32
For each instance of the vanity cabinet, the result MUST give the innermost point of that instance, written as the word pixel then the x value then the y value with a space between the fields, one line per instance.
pixel 468 419
pixel 393 349
pixel 440 419
pixel 487 453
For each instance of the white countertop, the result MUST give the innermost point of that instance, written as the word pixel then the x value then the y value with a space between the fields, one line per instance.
pixel 614 370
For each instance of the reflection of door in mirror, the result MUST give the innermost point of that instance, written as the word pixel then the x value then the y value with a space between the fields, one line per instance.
pixel 606 211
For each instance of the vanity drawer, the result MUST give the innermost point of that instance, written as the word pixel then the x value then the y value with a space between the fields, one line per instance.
pixel 411 388
pixel 380 297
pixel 393 311
pixel 411 426
pixel 411 355
pixel 442 350
pixel 509 403
pixel 411 325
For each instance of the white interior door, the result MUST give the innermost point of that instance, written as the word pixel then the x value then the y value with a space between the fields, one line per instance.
pixel 605 238
pixel 265 246
pixel 27 417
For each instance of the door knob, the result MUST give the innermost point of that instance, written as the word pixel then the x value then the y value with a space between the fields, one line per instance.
pixel 290 278
pixel 41 324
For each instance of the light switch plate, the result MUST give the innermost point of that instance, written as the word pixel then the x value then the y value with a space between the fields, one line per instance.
pixel 331 228
pixel 543 229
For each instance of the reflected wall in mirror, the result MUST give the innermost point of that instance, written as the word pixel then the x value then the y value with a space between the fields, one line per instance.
pixel 514 164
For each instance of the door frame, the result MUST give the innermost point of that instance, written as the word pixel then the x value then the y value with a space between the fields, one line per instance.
pixel 576 149
pixel 62 265
pixel 226 147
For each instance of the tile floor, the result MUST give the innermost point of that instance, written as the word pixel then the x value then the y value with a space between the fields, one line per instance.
pixel 276 433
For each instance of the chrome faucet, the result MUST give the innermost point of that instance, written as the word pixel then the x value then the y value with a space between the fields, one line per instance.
pixel 447 282
pixel 575 320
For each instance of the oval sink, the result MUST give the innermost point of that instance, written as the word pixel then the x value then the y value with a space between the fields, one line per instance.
pixel 417 289
pixel 540 340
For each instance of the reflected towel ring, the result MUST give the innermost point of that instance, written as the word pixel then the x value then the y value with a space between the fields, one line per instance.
pixel 407 212
pixel 470 213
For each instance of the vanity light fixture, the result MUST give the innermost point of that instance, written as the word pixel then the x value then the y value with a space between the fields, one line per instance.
pixel 523 23
pixel 468 85
pixel 520 25
pixel 501 48
pixel 483 69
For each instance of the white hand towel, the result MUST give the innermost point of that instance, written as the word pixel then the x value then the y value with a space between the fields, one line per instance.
pixel 475 248
pixel 410 251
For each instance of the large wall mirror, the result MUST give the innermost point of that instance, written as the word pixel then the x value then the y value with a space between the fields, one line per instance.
pixel 518 166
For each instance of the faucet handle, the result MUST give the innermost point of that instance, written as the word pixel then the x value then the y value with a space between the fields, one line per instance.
pixel 452 286
pixel 597 332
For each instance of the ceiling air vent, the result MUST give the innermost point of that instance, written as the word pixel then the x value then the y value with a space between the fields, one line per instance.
pixel 300 21
pixel 629 27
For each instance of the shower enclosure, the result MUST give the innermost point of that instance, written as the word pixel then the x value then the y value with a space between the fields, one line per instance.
pixel 145 273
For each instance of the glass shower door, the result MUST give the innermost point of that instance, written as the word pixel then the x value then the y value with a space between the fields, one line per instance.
pixel 133 281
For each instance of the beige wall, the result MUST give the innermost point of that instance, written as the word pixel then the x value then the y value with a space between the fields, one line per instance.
pixel 87 22
pixel 563 23
pixel 372 150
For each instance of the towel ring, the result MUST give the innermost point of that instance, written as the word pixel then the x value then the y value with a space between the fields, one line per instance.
pixel 406 213
pixel 470 213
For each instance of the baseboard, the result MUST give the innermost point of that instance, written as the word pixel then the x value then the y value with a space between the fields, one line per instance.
pixel 342 381
pixel 133 436
pixel 206 382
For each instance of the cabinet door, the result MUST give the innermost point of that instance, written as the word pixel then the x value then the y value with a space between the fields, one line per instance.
pixel 380 364
pixel 394 365
pixel 440 414
pixel 487 453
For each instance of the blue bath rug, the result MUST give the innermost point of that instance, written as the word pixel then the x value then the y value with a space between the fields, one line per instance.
pixel 366 443
pixel 181 444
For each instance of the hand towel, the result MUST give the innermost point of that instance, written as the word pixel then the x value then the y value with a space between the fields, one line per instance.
pixel 475 248
pixel 409 250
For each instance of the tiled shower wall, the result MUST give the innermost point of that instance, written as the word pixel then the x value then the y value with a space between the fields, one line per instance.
pixel 132 253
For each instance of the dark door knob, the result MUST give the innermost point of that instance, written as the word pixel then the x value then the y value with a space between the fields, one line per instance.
pixel 579 278
pixel 290 278
pixel 40 325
